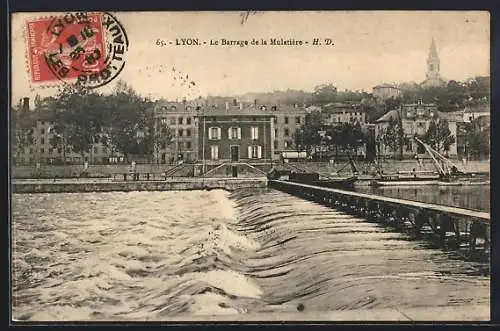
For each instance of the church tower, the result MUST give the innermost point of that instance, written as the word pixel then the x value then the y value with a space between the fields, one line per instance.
pixel 433 67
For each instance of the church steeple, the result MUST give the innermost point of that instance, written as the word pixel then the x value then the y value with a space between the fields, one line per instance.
pixel 433 77
pixel 433 62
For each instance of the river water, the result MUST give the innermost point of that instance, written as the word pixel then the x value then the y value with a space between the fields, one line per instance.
pixel 158 255
pixel 469 197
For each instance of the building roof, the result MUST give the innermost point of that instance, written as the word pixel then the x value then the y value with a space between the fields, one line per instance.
pixel 389 116
pixel 386 85
pixel 249 111
pixel 419 104
pixel 478 108
pixel 341 107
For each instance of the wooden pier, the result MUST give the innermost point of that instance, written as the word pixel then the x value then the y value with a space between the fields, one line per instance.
pixel 465 231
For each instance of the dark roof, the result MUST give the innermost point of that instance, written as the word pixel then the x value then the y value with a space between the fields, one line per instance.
pixel 249 111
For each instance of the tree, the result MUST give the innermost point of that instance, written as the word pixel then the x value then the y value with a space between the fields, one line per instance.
pixel 80 116
pixel 21 130
pixel 324 93
pixel 131 126
pixel 438 135
pixel 477 140
pixel 308 137
pixel 84 117
pixel 393 136
pixel 479 143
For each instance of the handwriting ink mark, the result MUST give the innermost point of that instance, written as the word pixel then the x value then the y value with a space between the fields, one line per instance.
pixel 245 15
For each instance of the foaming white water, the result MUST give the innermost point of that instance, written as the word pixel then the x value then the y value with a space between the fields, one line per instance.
pixel 126 254
pixel 161 255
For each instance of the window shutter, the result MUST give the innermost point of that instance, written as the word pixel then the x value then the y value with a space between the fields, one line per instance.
pixel 216 152
pixel 259 152
pixel 249 152
pixel 256 132
pixel 218 133
pixel 209 133
pixel 239 133
pixel 229 133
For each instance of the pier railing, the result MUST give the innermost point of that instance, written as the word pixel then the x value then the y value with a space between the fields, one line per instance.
pixel 463 230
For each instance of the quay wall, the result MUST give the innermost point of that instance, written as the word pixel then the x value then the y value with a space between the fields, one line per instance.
pixel 229 184
pixel 72 171
pixel 107 170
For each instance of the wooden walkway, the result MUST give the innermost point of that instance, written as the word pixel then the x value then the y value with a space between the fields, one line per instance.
pixel 478 215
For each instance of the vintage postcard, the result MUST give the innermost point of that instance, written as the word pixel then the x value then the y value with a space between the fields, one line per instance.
pixel 250 166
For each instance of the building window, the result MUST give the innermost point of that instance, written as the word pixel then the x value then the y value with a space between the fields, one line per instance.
pixel 188 120
pixel 214 152
pixel 42 141
pixel 297 120
pixel 234 133
pixel 163 120
pixel 42 131
pixel 50 150
pixel 96 150
pixel 254 152
pixel 287 132
pixel 275 132
pixel 59 150
pixel 172 120
pixel 181 120
pixel 275 120
pixel 188 144
pixel 286 144
pixel 214 133
pixel 163 145
pixel 42 122
pixel 42 150
pixel 188 132
pixel 254 119
pixel 181 132
pixel 255 132
pixel 286 120
pixel 275 144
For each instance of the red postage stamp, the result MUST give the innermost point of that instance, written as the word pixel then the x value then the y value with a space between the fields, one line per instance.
pixel 74 47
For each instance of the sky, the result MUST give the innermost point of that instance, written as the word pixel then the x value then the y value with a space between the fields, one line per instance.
pixel 369 48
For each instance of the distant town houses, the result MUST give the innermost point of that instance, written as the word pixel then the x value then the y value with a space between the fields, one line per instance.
pixel 220 129
pixel 386 91
pixel 336 113
pixel 287 122
pixel 47 146
pixel 415 120
pixel 176 131
pixel 474 112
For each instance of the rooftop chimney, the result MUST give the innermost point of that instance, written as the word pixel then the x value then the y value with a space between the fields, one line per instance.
pixel 26 104
pixel 255 102
pixel 235 102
